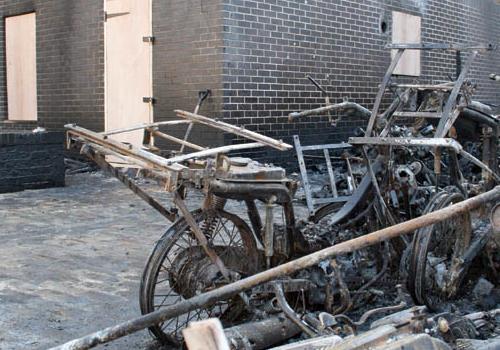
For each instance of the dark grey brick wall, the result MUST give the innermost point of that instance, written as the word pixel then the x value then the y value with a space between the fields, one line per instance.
pixel 187 58
pixel 252 54
pixel 271 45
pixel 70 61
pixel 29 160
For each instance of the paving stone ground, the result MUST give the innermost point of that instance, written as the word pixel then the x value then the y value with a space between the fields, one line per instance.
pixel 71 261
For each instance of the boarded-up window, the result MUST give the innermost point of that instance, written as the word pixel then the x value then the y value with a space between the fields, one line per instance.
pixel 20 44
pixel 406 29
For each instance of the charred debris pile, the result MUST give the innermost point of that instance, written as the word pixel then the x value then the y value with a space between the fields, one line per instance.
pixel 400 247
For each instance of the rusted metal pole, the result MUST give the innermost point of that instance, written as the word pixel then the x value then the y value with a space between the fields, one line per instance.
pixel 381 91
pixel 200 237
pixel 236 130
pixel 330 108
pixel 144 126
pixel 177 140
pixel 450 113
pixel 101 161
pixel 202 300
pixel 131 151
pixel 214 151
pixel 202 95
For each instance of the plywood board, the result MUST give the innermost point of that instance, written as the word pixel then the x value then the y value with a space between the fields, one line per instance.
pixel 406 29
pixel 205 335
pixel 20 47
pixel 128 66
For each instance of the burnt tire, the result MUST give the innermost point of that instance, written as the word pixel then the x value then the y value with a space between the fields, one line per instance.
pixel 325 211
pixel 162 278
pixel 434 251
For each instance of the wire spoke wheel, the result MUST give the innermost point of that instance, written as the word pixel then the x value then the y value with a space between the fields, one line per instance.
pixel 179 269
pixel 325 210
pixel 436 253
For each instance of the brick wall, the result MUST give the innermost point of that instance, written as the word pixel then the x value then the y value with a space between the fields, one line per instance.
pixel 252 54
pixel 187 58
pixel 271 45
pixel 29 160
pixel 70 61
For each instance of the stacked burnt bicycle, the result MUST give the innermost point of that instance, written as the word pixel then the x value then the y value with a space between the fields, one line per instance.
pixel 420 154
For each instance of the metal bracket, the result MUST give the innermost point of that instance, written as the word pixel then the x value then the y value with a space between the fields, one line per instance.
pixel 112 15
pixel 310 201
pixel 149 99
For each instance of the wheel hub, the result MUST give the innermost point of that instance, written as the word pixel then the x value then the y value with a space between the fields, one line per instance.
pixel 193 272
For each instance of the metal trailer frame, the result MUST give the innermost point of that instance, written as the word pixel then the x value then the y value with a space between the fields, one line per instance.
pixel 171 172
pixel 180 171
pixel 453 106
pixel 310 201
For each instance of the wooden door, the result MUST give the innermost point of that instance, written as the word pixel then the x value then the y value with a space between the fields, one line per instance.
pixel 128 66
pixel 20 56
